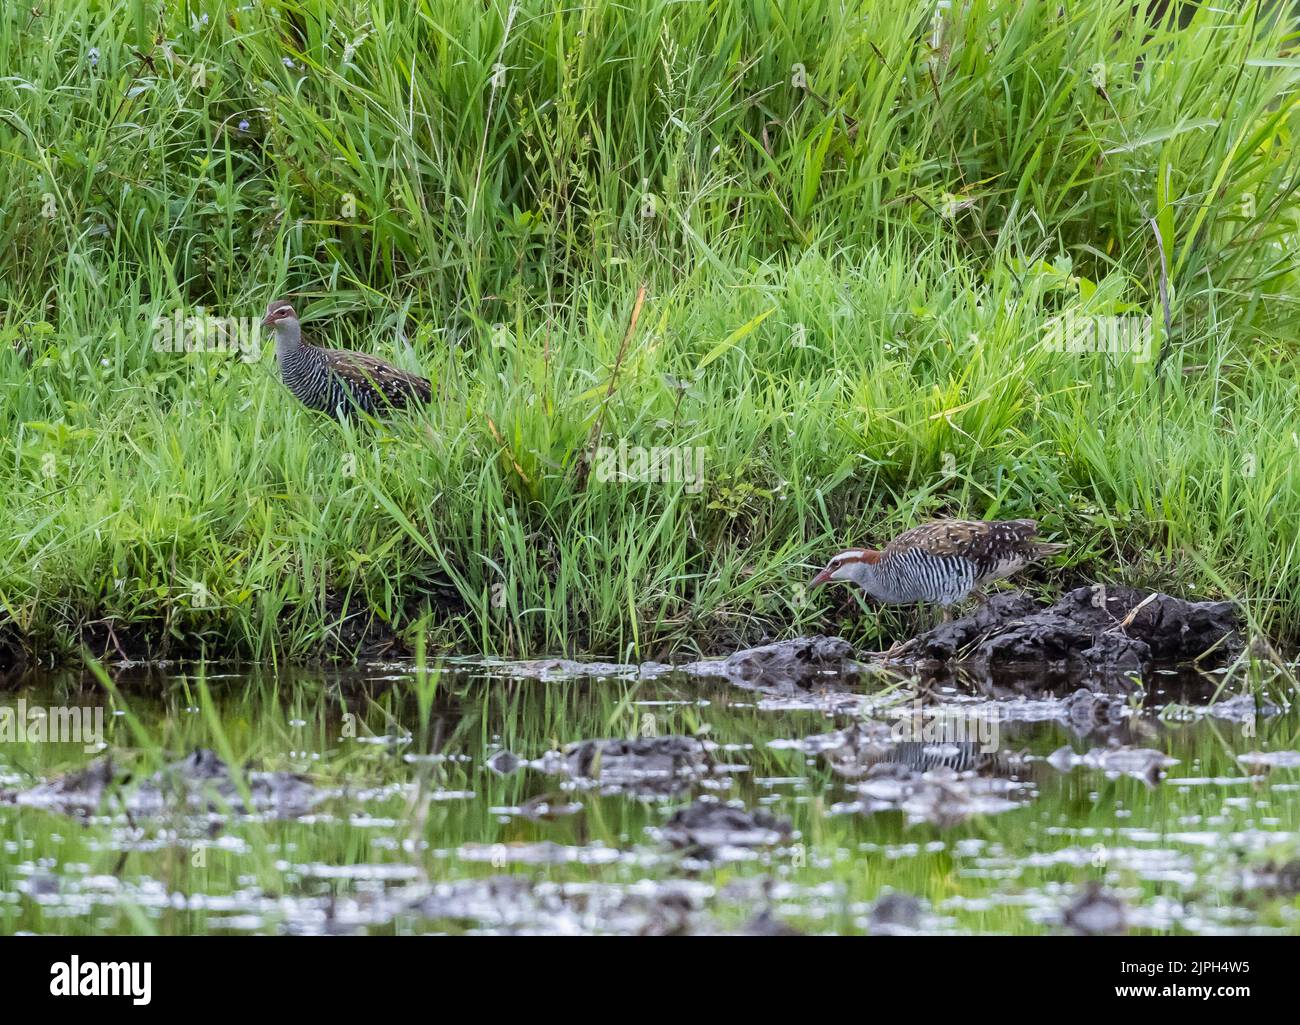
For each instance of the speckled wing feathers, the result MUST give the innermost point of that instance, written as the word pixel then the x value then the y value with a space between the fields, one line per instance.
pixel 977 540
pixel 382 380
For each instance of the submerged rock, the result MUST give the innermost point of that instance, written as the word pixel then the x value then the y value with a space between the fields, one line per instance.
pixel 1103 632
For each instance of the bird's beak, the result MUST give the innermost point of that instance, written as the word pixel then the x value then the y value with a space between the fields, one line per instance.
pixel 267 321
pixel 821 578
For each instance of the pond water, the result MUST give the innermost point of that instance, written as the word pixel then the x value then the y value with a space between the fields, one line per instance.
pixel 392 799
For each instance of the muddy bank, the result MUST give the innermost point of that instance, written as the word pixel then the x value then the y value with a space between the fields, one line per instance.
pixel 1095 635
pixel 1099 632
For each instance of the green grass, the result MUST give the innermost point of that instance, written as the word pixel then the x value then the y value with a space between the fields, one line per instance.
pixel 846 289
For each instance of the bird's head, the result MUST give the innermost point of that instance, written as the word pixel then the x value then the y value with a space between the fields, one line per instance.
pixel 278 310
pixel 851 565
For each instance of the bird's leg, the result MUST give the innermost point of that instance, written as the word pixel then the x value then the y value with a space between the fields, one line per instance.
pixel 896 651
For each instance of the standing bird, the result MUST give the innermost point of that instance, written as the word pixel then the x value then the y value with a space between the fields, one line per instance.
pixel 941 562
pixel 337 381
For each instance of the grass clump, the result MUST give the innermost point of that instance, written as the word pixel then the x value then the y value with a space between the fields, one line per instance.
pixel 852 227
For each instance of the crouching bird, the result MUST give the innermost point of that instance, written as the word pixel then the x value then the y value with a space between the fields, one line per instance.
pixel 336 381
pixel 940 563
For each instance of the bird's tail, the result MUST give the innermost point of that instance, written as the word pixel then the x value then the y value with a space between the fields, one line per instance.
pixel 1042 549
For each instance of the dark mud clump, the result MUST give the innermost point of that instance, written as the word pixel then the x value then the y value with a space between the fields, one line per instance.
pixel 895 914
pixel 1096 912
pixel 199 783
pixel 765 923
pixel 1099 632
pixel 803 663
pixel 516 904
pixel 1272 879
pixel 637 763
pixel 708 825
pixel 649 766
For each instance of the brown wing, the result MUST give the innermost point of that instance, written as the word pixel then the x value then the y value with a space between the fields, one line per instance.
pixel 976 540
pixel 396 387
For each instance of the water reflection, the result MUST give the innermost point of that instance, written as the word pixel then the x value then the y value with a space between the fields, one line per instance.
pixel 494 797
